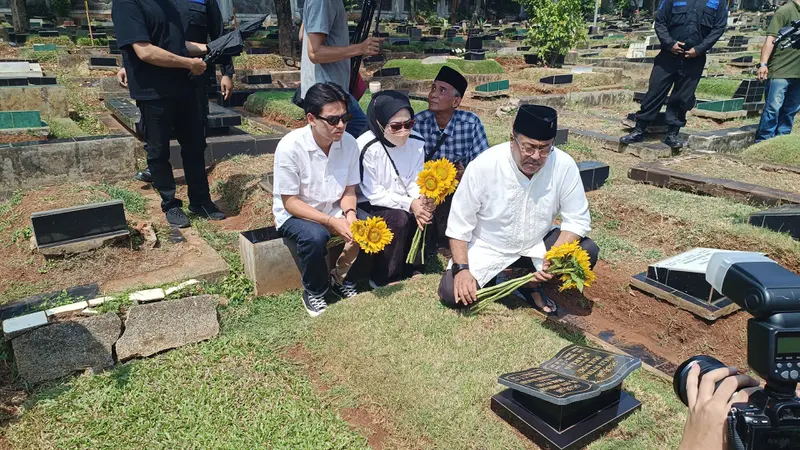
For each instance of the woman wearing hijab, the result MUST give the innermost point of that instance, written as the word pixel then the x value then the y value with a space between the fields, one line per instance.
pixel 391 159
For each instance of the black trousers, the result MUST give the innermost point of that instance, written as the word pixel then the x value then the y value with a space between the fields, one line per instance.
pixel 446 285
pixel 390 264
pixel 183 115
pixel 676 73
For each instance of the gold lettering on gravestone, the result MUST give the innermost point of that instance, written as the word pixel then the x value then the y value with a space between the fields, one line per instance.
pixel 586 364
pixel 549 382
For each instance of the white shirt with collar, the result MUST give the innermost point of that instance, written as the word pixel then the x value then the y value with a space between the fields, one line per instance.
pixel 302 169
pixel 504 215
pixel 380 183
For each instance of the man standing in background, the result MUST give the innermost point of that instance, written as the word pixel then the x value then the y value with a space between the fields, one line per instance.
pixel 782 67
pixel 327 52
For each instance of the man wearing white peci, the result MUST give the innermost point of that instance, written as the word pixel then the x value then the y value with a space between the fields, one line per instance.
pixel 503 211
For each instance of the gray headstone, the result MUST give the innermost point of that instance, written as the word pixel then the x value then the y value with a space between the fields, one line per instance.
pixel 62 348
pixel 435 60
pixel 156 327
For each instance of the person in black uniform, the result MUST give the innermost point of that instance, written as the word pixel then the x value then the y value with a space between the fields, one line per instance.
pixel 204 23
pixel 158 63
pixel 687 29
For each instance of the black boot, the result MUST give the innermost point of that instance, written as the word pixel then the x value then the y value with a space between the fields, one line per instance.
pixel 144 176
pixel 673 139
pixel 637 135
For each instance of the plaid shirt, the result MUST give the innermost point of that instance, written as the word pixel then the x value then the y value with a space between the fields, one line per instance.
pixel 466 138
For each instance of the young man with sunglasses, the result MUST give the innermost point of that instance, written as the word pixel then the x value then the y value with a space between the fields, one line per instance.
pixel 314 196
pixel 449 133
pixel 503 212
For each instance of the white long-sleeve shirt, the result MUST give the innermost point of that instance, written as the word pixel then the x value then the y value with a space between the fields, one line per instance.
pixel 504 215
pixel 380 184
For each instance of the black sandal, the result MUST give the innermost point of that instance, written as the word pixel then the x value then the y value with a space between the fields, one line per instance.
pixel 527 292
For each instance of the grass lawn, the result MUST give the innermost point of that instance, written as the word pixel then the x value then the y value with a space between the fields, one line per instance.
pixel 413 69
pixel 717 88
pixel 779 150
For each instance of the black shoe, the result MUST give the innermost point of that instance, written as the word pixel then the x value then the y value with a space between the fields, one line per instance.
pixel 637 135
pixel 177 218
pixel 208 210
pixel 144 176
pixel 314 304
pixel 343 290
pixel 673 139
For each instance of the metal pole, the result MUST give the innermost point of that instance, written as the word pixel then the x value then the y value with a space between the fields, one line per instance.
pixel 596 7
pixel 89 21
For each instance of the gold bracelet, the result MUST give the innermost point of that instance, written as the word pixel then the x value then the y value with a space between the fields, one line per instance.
pixel 328 222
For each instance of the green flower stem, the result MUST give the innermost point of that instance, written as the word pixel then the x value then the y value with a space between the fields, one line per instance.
pixel 491 294
pixel 498 287
pixel 415 244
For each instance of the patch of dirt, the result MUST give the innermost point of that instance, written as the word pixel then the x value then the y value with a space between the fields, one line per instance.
pixel 27 272
pixel 731 169
pixel 369 421
pixel 235 185
pixel 12 397
pixel 6 138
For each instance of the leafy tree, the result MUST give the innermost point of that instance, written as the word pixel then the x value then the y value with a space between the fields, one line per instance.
pixel 61 7
pixel 556 26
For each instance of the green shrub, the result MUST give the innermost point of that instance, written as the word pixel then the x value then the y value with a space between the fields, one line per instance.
pixel 63 41
pixel 63 128
pixel 60 7
pixel 86 41
pixel 559 26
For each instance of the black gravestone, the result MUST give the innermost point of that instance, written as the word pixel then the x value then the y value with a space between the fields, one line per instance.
pixel 474 43
pixel 22 306
pixel 42 81
pixel 518 38
pixel 102 62
pixel 593 174
pixel 562 136
pixel 557 79
pixel 570 400
pixel 258 79
pixel 48 33
pixel 475 56
pixel 5 82
pixel 374 59
pixel 402 29
pixel 400 42
pixel 449 33
pixel 237 98
pixel 387 72
pixel 69 225
pixel 743 59
pixel 429 39
pixel 532 59
pixel 219 117
pixel 681 280
pixel 785 219
pixel 435 31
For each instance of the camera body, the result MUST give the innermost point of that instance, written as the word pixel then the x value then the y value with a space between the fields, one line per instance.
pixel 771 293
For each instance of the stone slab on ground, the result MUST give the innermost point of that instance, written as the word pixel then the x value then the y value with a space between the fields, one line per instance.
pixel 149 295
pixel 205 264
pixel 21 324
pixel 50 100
pixel 729 140
pixel 646 150
pixel 60 349
pixel 659 175
pixel 64 309
pixel 718 115
pixel 153 328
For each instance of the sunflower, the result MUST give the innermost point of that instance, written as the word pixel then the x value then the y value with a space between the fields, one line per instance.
pixel 359 230
pixel 429 184
pixel 563 250
pixel 444 170
pixel 573 264
pixel 377 235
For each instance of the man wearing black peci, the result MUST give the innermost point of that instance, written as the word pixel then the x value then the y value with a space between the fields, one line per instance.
pixel 687 29
pixel 158 62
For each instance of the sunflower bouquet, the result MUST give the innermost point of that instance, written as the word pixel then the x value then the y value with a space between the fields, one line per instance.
pixel 436 181
pixel 570 261
pixel 371 234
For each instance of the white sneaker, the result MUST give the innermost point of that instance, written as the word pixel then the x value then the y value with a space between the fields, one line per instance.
pixel 343 290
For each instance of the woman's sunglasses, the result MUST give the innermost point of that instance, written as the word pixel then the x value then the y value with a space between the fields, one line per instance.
pixel 395 127
pixel 334 120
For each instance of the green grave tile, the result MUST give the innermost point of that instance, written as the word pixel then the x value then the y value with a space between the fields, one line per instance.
pixel 44 47
pixel 722 105
pixel 505 84
pixel 6 121
pixel 26 119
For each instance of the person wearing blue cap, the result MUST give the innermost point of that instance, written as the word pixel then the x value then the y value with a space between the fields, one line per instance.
pixel 504 208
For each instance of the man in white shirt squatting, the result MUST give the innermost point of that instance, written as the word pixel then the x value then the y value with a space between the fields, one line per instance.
pixel 316 174
pixel 503 211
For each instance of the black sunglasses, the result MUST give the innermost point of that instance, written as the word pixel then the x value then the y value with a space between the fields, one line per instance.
pixel 334 120
pixel 397 126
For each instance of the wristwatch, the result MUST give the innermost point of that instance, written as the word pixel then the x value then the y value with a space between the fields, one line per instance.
pixel 458 268
pixel 760 65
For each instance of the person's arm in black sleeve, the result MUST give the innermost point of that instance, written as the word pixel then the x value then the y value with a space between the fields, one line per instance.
pixel 720 24
pixel 662 19
pixel 216 28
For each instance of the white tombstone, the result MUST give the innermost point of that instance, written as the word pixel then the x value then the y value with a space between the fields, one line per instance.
pixel 637 50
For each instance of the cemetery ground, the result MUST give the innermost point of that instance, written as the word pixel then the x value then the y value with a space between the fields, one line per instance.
pixel 390 368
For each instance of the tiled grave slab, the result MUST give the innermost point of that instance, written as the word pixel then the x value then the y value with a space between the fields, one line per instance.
pixel 68 225
pixel 657 174
pixel 722 105
pixel 751 91
pixel 20 119
pixel 557 79
pixel 593 174
pixel 646 151
pixel 785 219
pixel 44 47
pixel 20 306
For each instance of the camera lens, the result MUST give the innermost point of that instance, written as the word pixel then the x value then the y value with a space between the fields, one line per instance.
pixel 706 363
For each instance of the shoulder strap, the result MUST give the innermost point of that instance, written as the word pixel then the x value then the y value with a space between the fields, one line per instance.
pixel 429 155
pixel 394 166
